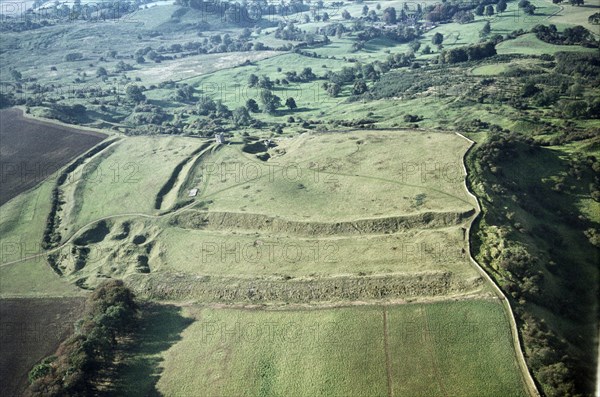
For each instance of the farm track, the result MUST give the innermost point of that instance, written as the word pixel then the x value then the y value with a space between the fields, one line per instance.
pixel 388 360
pixel 429 342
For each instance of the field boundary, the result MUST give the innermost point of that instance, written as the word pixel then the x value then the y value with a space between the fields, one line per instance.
pixel 429 342
pixel 219 220
pixel 525 372
pixel 82 129
pixel 388 359
pixel 217 289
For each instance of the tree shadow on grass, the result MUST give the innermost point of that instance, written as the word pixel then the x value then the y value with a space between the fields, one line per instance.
pixel 160 328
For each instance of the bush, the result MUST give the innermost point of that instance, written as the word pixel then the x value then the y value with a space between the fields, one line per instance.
pixel 468 53
pixel 409 118
pixel 74 56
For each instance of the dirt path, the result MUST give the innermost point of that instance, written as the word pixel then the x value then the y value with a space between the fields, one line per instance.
pixel 428 342
pixel 388 360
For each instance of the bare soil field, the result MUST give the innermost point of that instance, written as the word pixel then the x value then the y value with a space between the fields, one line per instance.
pixel 31 329
pixel 32 150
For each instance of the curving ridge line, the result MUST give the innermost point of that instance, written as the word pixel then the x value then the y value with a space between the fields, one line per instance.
pixel 525 372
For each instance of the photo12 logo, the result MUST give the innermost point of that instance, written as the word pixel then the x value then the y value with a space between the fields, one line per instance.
pixel 409 252
pixel 468 330
pixel 242 172
pixel 428 171
pixel 262 251
pixel 64 258
pixel 25 172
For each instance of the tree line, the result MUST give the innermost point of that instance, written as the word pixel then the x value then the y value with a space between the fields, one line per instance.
pixel 111 312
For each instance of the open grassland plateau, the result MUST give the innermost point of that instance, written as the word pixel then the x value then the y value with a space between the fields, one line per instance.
pixel 339 177
pixel 33 150
pixel 460 348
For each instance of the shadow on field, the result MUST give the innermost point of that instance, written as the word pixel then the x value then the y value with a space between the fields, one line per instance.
pixel 292 112
pixel 570 262
pixel 160 328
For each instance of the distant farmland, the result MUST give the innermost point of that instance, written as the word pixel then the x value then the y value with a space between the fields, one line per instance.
pixel 32 150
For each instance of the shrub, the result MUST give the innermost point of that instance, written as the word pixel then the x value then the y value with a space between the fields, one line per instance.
pixel 73 56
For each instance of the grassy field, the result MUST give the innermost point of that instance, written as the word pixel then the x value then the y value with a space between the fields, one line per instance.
pixel 448 330
pixel 530 45
pixel 408 350
pixel 341 177
pixel 262 254
pixel 128 178
pixel 34 278
pixel 577 16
